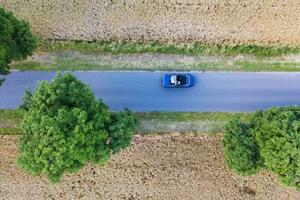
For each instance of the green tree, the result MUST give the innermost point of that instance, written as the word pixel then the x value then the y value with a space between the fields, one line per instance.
pixel 16 40
pixel 270 140
pixel 64 127
pixel 278 135
pixel 120 130
pixel 240 148
pixel 26 100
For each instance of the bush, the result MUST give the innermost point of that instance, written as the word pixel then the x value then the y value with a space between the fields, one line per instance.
pixel 278 135
pixel 65 126
pixel 120 130
pixel 26 100
pixel 16 40
pixel 271 140
pixel 240 147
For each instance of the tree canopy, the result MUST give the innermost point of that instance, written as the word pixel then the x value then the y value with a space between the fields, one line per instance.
pixel 16 40
pixel 271 140
pixel 240 148
pixel 64 127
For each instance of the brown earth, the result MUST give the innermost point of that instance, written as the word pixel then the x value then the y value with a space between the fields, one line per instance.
pixel 155 167
pixel 208 21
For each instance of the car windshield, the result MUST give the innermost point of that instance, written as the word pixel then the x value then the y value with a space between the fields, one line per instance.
pixel 178 79
pixel 173 79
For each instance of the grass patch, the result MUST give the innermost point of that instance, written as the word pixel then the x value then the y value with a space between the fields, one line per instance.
pixel 190 116
pixel 75 64
pixel 266 66
pixel 46 45
pixel 7 116
pixel 10 131
pixel 84 56
pixel 185 122
pixel 10 119
pixel 29 65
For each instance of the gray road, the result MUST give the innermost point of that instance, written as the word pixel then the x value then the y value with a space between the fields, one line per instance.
pixel 142 91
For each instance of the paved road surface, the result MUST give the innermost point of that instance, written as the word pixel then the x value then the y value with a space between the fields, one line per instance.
pixel 142 91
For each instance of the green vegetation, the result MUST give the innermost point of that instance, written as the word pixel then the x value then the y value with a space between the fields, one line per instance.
pixel 10 121
pixel 261 65
pixel 154 47
pixel 277 132
pixel 67 64
pixel 84 62
pixel 15 116
pixel 185 122
pixel 26 100
pixel 10 131
pixel 271 140
pixel 16 40
pixel 12 118
pixel 93 57
pixel 240 147
pixel 64 127
pixel 190 116
pixel 120 130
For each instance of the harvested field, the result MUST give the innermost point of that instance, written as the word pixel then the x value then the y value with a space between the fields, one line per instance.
pixel 155 167
pixel 214 21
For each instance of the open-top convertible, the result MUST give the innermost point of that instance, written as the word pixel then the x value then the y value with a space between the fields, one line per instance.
pixel 177 80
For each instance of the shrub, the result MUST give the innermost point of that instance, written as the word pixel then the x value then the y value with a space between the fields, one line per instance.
pixel 271 140
pixel 120 130
pixel 16 40
pixel 240 147
pixel 26 100
pixel 278 135
pixel 65 126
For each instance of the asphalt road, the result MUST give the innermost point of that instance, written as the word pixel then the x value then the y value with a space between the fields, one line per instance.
pixel 142 91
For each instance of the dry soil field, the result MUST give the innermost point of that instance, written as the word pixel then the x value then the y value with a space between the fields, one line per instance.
pixel 208 21
pixel 155 167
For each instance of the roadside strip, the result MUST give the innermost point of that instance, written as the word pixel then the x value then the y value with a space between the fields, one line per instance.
pixel 154 122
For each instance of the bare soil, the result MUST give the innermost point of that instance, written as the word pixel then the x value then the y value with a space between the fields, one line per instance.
pixel 213 21
pixel 155 167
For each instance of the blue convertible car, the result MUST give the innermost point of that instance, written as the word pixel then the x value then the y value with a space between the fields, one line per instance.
pixel 177 80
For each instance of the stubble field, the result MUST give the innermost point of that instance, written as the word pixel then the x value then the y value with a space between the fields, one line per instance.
pixel 211 22
pixel 155 167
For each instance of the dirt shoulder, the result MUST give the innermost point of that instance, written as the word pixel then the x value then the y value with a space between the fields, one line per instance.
pixel 155 167
pixel 222 21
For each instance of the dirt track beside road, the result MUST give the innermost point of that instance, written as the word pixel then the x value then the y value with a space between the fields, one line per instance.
pixel 213 21
pixel 155 167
